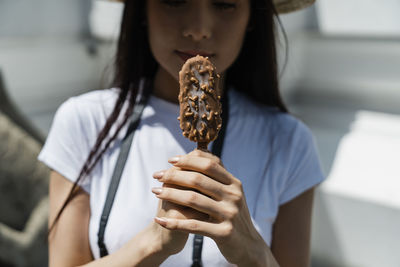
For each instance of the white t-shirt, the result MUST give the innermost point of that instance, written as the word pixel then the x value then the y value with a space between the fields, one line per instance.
pixel 271 152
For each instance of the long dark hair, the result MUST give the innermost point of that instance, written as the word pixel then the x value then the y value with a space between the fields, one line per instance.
pixel 254 73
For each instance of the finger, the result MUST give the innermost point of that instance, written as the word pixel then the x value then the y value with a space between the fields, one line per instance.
pixel 205 154
pixel 193 180
pixel 212 230
pixel 207 166
pixel 172 210
pixel 189 198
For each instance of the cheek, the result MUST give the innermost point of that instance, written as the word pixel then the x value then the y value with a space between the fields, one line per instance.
pixel 157 34
pixel 158 43
pixel 231 42
pixel 163 36
pixel 161 31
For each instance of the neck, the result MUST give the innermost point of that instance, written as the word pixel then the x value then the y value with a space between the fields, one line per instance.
pixel 167 87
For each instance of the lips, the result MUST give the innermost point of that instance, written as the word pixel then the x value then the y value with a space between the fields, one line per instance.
pixel 185 55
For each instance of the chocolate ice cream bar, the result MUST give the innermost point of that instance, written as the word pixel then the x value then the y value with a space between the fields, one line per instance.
pixel 199 99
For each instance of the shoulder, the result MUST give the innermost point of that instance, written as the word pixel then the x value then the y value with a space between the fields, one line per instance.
pixel 74 131
pixel 88 106
pixel 92 99
pixel 83 116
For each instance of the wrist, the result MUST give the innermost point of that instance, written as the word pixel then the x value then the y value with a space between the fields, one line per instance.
pixel 147 248
pixel 257 254
pixel 252 259
pixel 258 259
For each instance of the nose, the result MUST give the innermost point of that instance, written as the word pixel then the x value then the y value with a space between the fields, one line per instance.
pixel 198 25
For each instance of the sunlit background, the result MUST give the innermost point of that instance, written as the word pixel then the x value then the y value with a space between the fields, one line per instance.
pixel 342 79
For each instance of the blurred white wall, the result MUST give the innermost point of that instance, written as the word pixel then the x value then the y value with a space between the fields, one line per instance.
pixel 47 54
pixel 26 18
pixel 346 88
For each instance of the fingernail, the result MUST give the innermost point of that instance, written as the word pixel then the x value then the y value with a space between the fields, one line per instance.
pixel 161 221
pixel 158 175
pixel 173 160
pixel 156 190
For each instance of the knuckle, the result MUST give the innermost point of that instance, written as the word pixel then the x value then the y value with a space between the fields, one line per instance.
pixel 231 212
pixel 193 226
pixel 165 193
pixel 227 230
pixel 211 165
pixel 173 225
pixel 195 179
pixel 217 160
pixel 219 189
pixel 235 194
pixel 192 198
pixel 196 153
pixel 238 183
pixel 167 176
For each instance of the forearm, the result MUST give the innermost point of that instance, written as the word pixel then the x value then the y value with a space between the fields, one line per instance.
pixel 256 253
pixel 261 258
pixel 142 250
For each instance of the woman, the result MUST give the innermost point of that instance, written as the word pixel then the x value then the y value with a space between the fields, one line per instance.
pixel 254 209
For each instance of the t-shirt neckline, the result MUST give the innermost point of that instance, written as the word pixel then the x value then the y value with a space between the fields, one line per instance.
pixel 162 105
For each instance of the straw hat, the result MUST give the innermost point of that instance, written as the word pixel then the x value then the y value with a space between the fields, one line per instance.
pixel 284 6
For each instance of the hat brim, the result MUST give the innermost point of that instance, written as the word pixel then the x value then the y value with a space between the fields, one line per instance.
pixel 283 6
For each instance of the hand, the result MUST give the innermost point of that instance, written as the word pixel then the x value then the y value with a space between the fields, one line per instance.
pixel 172 242
pixel 206 186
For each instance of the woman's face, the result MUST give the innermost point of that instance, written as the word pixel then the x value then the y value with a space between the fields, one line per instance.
pixel 180 29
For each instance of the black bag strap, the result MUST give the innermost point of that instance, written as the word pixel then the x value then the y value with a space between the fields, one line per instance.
pixel 119 167
pixel 216 150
